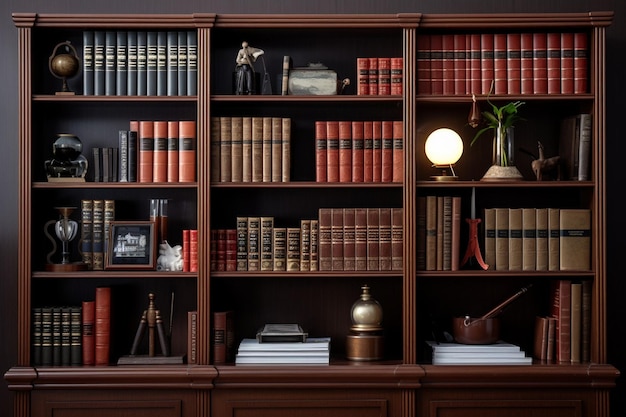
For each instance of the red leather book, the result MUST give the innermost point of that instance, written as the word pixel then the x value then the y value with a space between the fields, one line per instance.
pixel 581 62
pixel 221 250
pixel 486 62
pixel 398 151
pixel 363 75
pixel 397 71
pixel 223 337
pixel 384 238
pixel 436 63
pixel 554 62
pixel 567 63
pixel 387 151
pixel 325 238
pixel 320 152
pixel 193 250
pixel 377 151
pixel 373 239
pixel 332 151
pixel 336 237
pixel 231 249
pixel 186 250
pixel 159 170
pixel 474 61
pixel 360 239
pixel 526 63
pixel 373 76
pixel 514 62
pixel 358 144
pixel 187 151
pixel 423 65
pixel 456 233
pixel 102 325
pixel 397 233
pixel 146 150
pixel 368 151
pixel 349 239
pixel 89 342
pixel 172 151
pixel 447 43
pixel 460 63
pixel 540 63
pixel 499 63
pixel 561 310
pixel 384 76
pixel 345 151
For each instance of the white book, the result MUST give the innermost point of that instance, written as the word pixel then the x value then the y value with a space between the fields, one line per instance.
pixel 284 360
pixel 499 346
pixel 473 355
pixel 484 361
pixel 279 353
pixel 311 343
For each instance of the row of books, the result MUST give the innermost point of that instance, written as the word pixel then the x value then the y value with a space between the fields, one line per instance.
pixel 158 151
pixel 438 233
pixel 503 63
pixel 564 336
pixel 313 351
pixel 190 250
pixel 359 151
pixel 499 353
pixel 380 76
pixel 105 164
pixel 142 63
pixel 250 149
pixel 96 217
pixel 538 239
pixel 73 335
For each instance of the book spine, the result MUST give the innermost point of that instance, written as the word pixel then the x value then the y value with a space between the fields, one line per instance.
pixel 499 63
pixel 36 336
pixel 193 250
pixel 88 62
pixel 584 123
pixel 257 149
pixel 102 325
pixel 397 170
pixel 192 337
pixel 542 239
pixel 181 40
pixel 358 144
pixel 186 250
pixel 133 154
pixel 526 65
pixel 460 63
pixel 86 238
pixel 215 145
pixel 246 149
pixel 554 232
pixel 320 152
pixel 372 81
pixel 567 63
pixel 121 62
pixel 105 166
pixel 502 239
pixel 554 62
pixel 384 76
pixel 222 333
pixel 332 151
pixel 576 322
pixel 397 238
pixel 575 239
pixel 159 158
pixel 267 149
pixel 349 239
pixel 99 63
pixel 109 217
pixel 397 76
pixel 490 237
pixel 368 151
pixel 151 63
pixel 172 63
pixel 581 63
pixel 46 336
pixel 431 233
pixel 142 63
pixel 254 243
pixel 267 251
pixel 285 75
pixel 487 63
pixel 66 342
pixel 231 249
pixel 277 149
pixel 161 63
pixel 585 332
pixel 373 239
pixel 515 239
pixel 192 62
pixel 236 149
pixel 561 310
pixel 441 220
pixel 325 239
pixel 146 150
pixel 475 64
pixel 123 155
pixel 336 237
pixel 279 244
pixel 242 243
pixel 540 63
pixel 76 336
pixel 456 234
pixel 384 239
pixel 363 68
pixel 286 149
pixel 98 235
pixel 173 162
pixel 345 151
pixel 377 151
pixel 305 245
pixel 529 239
pixel 132 63
pixel 56 336
pixel 420 238
pixel 514 62
pixel 187 148
pixel 314 245
pixel 110 63
pixel 387 151
pixel 423 65
pixel 293 248
pixel 447 60
pixel 540 345
pixel 360 239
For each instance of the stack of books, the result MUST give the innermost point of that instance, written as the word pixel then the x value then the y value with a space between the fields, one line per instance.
pixel 499 353
pixel 313 351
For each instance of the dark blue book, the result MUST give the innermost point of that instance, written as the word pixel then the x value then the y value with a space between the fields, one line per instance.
pixel 98 62
pixel 182 63
pixel 131 41
pixel 121 79
pixel 151 64
pixel 110 62
pixel 142 62
pixel 192 63
pixel 172 63
pixel 132 155
pixel 161 63
pixel 88 55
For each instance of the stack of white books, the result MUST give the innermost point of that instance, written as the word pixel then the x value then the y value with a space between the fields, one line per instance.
pixel 313 351
pixel 499 353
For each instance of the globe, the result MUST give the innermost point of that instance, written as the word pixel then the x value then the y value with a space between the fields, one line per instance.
pixel 64 63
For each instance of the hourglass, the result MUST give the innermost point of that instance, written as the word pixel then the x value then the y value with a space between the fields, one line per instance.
pixel 65 230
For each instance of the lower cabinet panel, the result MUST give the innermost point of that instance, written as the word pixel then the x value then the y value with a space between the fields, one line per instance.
pixel 300 403
pixel 499 408
pixel 105 403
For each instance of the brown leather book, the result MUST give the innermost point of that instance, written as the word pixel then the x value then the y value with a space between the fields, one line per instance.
pixel 305 245
pixel 246 149
pixel 397 71
pixel 277 149
pixel 460 63
pixel 279 245
pixel 236 148
pixel 554 237
pixel 89 342
pixel 193 250
pixel 387 151
pixel 384 76
pixel 187 151
pixel 320 151
pixel 475 83
pixel 349 239
pixel 363 67
pixel 377 151
pixel 575 242
pixel 257 149
pixel 293 248
pixel 102 325
pixel 223 337
pixel 221 250
pixel 215 146
pixel 242 243
pixel 431 233
pixel 486 62
pixel 231 249
pixel 315 233
pixel 515 239
pixel 345 151
pixel 502 239
pixel 423 65
pixel 285 149
pixel 336 236
pixel 360 239
pixel 561 309
pixel 384 237
pixel 448 63
pixel 529 239
pixel 267 149
pixel 172 151
pixel 146 150
pixel 373 76
pixel 540 345
pixel 397 241
pixel 455 251
pixel 159 168
pixel 358 145
pixel 267 251
pixel 226 161
pixel 373 239
pixel 254 243
pixel 325 236
pixel 542 239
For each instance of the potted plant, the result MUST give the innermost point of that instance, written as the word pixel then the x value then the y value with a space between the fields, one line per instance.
pixel 501 121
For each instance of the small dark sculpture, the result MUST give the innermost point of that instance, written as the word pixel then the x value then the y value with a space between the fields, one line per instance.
pixel 543 165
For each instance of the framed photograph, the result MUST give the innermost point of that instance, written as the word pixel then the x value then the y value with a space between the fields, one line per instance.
pixel 132 245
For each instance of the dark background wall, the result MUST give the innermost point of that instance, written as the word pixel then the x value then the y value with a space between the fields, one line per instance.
pixel 616 36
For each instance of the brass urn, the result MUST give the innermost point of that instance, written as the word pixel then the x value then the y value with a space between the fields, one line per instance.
pixel 366 340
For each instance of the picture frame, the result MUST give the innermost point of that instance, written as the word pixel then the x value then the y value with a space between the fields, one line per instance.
pixel 132 245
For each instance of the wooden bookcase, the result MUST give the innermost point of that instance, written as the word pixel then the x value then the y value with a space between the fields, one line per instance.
pixel 413 300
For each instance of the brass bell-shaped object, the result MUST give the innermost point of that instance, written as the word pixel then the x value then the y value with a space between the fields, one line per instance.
pixel 366 340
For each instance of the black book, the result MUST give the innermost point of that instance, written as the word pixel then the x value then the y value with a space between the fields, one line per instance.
pixel 182 63
pixel 88 55
pixel 142 63
pixel 97 165
pixel 121 80
pixel 110 63
pixel 76 336
pixel 123 156
pixel 114 164
pixel 131 42
pixel 161 63
pixel 192 63
pixel 46 336
pixel 151 64
pixel 36 337
pixel 65 337
pixel 98 63
pixel 56 336
pixel 132 156
pixel 172 63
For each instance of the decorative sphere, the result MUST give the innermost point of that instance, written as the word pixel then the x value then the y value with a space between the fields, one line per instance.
pixel 366 312
pixel 67 147
pixel 64 66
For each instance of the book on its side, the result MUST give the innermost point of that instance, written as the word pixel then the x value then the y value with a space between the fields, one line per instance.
pixel 192 337
pixel 223 340
pixel 102 325
pixel 310 345
pixel 575 239
pixel 325 239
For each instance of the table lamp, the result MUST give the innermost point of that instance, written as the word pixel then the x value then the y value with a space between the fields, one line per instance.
pixel 443 148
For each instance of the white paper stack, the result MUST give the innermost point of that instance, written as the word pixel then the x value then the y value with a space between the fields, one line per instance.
pixel 314 351
pixel 499 353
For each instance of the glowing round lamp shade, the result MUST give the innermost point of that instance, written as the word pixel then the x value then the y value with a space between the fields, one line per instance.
pixel 444 147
